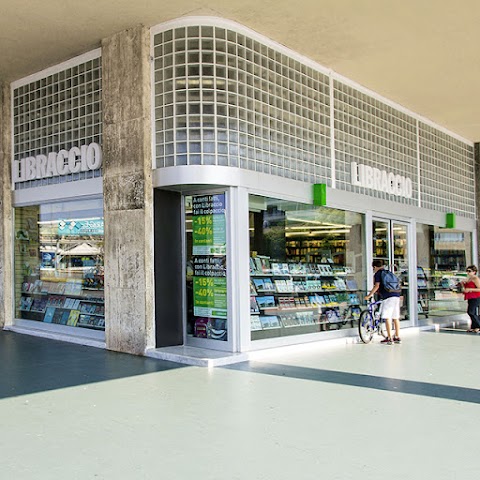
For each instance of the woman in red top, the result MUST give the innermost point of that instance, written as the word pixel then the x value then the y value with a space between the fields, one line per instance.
pixel 471 289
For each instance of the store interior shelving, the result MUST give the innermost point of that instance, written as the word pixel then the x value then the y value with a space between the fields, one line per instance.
pixel 290 297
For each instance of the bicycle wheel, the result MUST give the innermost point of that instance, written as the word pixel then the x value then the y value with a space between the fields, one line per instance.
pixel 366 327
pixel 382 329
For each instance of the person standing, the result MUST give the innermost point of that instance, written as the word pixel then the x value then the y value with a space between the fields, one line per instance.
pixel 390 305
pixel 471 291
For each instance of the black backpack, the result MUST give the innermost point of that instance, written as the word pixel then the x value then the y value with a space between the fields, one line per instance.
pixel 390 282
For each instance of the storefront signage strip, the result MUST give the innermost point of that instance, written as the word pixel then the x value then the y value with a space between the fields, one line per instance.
pixel 80 227
pixel 381 180
pixel 64 162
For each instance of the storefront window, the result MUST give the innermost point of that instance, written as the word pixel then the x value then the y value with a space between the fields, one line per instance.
pixel 442 256
pixel 307 268
pixel 206 276
pixel 59 253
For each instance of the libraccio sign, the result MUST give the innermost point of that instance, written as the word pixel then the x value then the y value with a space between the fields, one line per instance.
pixel 381 180
pixel 54 164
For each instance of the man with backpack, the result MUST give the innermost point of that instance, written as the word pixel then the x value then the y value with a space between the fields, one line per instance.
pixel 388 287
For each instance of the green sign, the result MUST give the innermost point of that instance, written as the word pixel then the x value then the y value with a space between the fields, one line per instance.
pixel 209 225
pixel 209 235
pixel 210 297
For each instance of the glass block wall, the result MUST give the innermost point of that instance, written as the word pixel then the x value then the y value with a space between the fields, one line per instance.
pixel 61 110
pixel 222 98
pixel 370 132
pixel 225 98
pixel 447 172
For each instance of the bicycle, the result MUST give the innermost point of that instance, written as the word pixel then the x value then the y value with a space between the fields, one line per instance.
pixel 350 314
pixel 370 322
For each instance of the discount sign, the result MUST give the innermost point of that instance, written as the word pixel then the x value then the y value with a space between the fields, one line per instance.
pixel 209 225
pixel 209 256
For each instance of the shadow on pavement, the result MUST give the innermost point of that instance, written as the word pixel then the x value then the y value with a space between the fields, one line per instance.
pixel 29 364
pixel 449 392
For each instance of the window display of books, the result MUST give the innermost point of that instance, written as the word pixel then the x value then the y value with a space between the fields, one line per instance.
pixel 269 321
pixel 254 305
pixel 62 303
pixel 260 265
pixel 267 301
pixel 284 286
pixel 255 323
pixel 26 303
pixel 294 319
pixel 263 284
pixel 91 321
pixel 299 294
pixel 280 269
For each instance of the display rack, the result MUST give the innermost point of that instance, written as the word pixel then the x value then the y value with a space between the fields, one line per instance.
pixel 300 297
pixel 64 303
pixel 315 250
pixel 423 292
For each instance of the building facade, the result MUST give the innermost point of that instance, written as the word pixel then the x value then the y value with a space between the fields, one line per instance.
pixel 197 184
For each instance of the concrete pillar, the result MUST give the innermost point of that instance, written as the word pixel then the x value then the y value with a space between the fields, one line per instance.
pixel 6 307
pixel 127 189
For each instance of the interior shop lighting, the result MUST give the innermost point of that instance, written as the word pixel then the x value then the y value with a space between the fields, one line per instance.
pixel 315 222
pixel 341 230
pixel 319 227
pixel 309 233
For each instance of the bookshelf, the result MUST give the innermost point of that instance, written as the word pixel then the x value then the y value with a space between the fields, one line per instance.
pixel 63 303
pixel 292 298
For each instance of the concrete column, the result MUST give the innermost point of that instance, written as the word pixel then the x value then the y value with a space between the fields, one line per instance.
pixel 6 307
pixel 127 189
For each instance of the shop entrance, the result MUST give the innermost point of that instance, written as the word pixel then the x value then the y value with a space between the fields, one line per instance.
pixel 191 269
pixel 207 322
pixel 390 243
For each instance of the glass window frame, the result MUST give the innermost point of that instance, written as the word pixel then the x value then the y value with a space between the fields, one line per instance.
pixel 255 344
pixel 44 288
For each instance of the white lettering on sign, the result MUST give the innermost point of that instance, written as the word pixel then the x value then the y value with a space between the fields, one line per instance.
pixel 77 159
pixel 381 180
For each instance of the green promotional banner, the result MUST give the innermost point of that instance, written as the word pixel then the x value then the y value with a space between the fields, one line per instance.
pixel 209 235
pixel 209 238
pixel 210 297
pixel 209 225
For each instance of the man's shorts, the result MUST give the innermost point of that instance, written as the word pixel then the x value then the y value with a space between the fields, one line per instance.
pixel 391 308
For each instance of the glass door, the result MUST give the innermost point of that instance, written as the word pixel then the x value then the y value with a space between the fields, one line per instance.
pixel 381 241
pixel 390 244
pixel 206 270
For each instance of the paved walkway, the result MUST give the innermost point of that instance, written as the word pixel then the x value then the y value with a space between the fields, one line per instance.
pixel 354 411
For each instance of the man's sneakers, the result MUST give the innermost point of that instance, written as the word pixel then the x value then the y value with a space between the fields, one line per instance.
pixel 389 341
